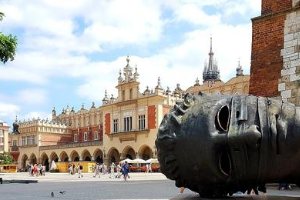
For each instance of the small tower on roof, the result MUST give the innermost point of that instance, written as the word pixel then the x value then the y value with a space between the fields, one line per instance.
pixel 211 73
pixel 239 70
pixel 127 71
pixel 105 100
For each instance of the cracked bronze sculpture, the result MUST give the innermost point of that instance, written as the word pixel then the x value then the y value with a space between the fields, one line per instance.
pixel 217 145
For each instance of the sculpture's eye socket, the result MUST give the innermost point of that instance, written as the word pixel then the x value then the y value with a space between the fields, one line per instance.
pixel 222 119
pixel 225 164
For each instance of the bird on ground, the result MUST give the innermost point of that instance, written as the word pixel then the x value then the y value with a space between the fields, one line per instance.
pixel 52 194
pixel 62 192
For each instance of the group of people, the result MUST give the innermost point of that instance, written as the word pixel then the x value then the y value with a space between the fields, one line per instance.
pixel 73 169
pixel 36 170
pixel 120 169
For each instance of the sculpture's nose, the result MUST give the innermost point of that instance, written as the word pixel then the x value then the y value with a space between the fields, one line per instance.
pixel 253 136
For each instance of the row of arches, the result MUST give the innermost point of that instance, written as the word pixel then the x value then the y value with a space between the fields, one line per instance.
pixel 113 155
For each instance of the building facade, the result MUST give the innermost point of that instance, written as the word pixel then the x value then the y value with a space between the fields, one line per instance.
pixel 122 127
pixel 4 147
pixel 212 82
pixel 275 51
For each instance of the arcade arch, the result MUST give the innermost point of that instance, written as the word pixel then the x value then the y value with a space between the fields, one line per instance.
pixel 45 161
pixel 64 157
pixel 113 156
pixel 24 161
pixel 32 159
pixel 128 152
pixel 145 152
pixel 98 156
pixel 53 156
pixel 86 156
pixel 74 156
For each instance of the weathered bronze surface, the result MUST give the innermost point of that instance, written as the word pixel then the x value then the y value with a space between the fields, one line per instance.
pixel 217 145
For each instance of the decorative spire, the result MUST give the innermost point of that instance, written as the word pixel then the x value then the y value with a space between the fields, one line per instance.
pixel 93 105
pixel 158 84
pixel 53 112
pixel 211 71
pixel 120 78
pixel 147 91
pixel 127 59
pixel 197 82
pixel 239 69
pixel 105 99
pixel 127 70
pixel 112 99
pixel 82 106
pixel 168 91
pixel 136 74
pixel 16 120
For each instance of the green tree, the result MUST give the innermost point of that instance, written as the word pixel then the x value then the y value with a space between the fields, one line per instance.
pixel 8 45
pixel 6 158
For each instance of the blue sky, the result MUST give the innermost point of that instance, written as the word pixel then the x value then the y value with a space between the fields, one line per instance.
pixel 70 52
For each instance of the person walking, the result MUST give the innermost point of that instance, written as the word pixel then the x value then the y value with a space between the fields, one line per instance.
pixel 118 171
pixel 112 170
pixel 125 170
pixel 97 170
pixel 79 170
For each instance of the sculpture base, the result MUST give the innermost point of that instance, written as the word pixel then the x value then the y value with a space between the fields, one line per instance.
pixel 196 197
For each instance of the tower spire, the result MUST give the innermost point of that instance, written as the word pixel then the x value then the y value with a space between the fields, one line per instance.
pixel 211 72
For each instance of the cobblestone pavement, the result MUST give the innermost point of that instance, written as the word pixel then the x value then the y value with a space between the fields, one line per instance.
pixel 139 186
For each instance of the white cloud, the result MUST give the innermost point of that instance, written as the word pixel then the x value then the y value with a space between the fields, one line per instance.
pixel 59 36
pixel 35 115
pixel 8 111
pixel 32 96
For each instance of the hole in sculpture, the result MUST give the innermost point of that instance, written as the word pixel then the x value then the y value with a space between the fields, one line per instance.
pixel 225 164
pixel 222 119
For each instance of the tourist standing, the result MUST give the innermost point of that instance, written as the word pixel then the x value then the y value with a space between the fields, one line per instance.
pixel 112 170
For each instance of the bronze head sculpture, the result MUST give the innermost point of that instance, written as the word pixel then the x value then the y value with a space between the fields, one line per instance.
pixel 217 145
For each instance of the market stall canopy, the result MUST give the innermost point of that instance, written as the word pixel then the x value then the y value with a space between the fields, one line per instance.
pixel 127 159
pixel 152 160
pixel 138 160
pixel 53 165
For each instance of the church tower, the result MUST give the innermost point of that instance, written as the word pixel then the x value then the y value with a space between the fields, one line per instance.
pixel 211 73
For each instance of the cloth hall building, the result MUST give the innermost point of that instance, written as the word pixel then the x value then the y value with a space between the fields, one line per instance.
pixel 122 127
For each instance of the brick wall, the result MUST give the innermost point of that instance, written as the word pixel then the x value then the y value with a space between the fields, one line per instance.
pixel 152 117
pixel 107 123
pixel 266 61
pixel 274 6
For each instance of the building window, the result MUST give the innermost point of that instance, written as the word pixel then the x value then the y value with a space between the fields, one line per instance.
pixel 1 132
pixel 23 140
pixel 85 136
pixel 127 123
pixel 33 139
pixel 1 139
pixel 130 94
pixel 96 135
pixel 75 138
pixel 14 143
pixel 28 140
pixel 116 128
pixel 142 122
